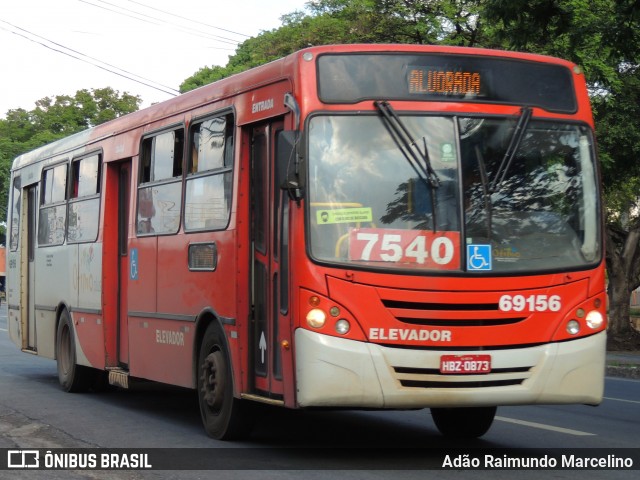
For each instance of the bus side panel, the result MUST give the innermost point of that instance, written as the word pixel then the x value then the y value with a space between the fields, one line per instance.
pixel 89 339
pixel 56 285
pixel 161 350
pixel 88 321
pixel 12 290
pixel 143 275
pixel 185 291
pixel 89 276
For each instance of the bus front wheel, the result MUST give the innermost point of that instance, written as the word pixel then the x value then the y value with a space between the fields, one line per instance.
pixel 72 377
pixel 470 422
pixel 224 416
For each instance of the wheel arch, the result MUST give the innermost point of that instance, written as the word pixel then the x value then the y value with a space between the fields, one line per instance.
pixel 204 319
pixel 61 307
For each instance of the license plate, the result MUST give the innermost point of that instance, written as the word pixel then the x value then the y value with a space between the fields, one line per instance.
pixel 465 364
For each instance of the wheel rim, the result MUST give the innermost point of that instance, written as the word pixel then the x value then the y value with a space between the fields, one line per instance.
pixel 213 381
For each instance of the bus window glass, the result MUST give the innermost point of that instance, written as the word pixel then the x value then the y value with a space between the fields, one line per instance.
pixel 369 207
pixel 83 220
pixel 47 187
pixel 542 215
pixel 159 208
pixel 54 185
pixel 51 225
pixel 208 145
pixel 208 186
pixel 53 213
pixel 160 191
pixel 59 184
pixel 15 215
pixel 208 201
pixel 167 156
pixel 85 176
pixel 84 206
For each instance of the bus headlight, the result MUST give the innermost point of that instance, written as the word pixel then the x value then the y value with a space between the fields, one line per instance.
pixel 573 327
pixel 316 318
pixel 594 319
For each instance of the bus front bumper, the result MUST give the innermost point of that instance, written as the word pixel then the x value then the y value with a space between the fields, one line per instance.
pixel 335 372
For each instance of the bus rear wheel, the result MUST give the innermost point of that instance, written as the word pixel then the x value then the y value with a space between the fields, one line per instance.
pixel 470 422
pixel 73 378
pixel 224 417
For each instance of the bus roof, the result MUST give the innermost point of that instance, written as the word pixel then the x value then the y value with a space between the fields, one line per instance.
pixel 236 84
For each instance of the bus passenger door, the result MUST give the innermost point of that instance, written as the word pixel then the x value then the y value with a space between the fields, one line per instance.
pixel 265 270
pixel 29 338
pixel 126 269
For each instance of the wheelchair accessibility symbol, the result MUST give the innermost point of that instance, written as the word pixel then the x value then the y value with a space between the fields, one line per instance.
pixel 478 257
pixel 133 264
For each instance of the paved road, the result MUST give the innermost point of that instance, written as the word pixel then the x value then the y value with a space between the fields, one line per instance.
pixel 35 413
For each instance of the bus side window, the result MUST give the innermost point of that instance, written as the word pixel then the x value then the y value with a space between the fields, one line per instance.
pixel 208 186
pixel 53 211
pixel 84 204
pixel 160 186
pixel 15 215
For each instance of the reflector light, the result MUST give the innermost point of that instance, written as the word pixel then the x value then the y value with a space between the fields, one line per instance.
pixel 343 326
pixel 573 327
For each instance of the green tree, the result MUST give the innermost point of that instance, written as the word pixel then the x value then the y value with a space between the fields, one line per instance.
pixel 603 36
pixel 54 118
pixel 454 22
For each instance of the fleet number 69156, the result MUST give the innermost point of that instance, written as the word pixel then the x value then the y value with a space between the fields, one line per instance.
pixel 530 303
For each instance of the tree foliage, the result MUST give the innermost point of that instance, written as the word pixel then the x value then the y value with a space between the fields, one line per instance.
pixel 353 21
pixel 54 118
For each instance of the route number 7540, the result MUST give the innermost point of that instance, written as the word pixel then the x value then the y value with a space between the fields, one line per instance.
pixel 435 250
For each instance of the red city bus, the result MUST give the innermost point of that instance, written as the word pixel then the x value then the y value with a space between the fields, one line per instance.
pixel 357 226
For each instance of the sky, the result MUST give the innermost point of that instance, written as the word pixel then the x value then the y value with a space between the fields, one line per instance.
pixel 159 43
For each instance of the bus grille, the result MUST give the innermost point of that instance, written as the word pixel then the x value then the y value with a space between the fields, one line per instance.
pixel 449 314
pixel 432 378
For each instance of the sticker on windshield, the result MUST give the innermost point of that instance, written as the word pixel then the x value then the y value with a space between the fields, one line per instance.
pixel 478 257
pixel 344 215
pixel 447 153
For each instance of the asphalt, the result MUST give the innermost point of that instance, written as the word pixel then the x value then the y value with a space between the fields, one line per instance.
pixel 623 364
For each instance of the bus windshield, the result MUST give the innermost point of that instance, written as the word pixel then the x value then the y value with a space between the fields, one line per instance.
pixel 369 207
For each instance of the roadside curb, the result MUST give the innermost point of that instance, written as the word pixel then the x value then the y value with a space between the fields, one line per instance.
pixel 623 364
pixel 624 371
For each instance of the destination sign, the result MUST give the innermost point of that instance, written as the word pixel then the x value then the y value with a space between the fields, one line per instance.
pixel 436 81
pixel 349 78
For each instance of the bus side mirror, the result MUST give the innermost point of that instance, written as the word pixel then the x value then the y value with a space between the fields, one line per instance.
pixel 288 163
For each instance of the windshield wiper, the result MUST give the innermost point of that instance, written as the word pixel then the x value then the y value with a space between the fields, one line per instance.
pixel 486 195
pixel 417 158
pixel 514 144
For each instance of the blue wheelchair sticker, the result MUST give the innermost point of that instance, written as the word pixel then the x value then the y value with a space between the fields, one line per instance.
pixel 133 263
pixel 478 257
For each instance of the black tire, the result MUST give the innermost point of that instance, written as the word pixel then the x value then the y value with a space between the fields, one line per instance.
pixel 73 378
pixel 470 422
pixel 224 417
